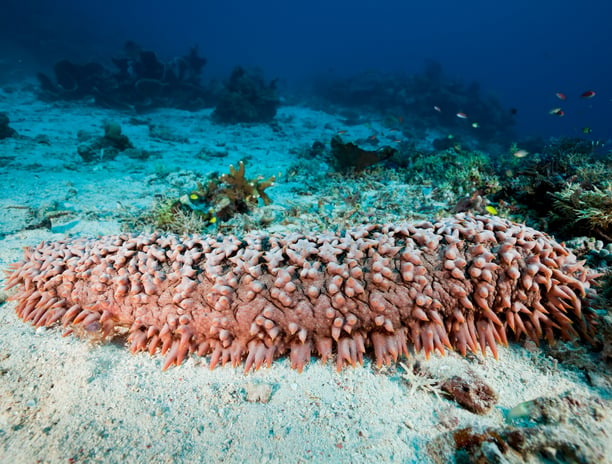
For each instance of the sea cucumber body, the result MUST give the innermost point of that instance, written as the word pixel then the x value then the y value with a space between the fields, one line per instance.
pixel 463 283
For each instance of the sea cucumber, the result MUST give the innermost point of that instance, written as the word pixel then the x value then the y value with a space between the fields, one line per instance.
pixel 463 283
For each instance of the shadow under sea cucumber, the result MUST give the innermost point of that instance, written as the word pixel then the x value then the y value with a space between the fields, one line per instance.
pixel 463 283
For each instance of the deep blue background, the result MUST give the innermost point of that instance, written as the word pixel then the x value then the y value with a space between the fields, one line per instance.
pixel 522 51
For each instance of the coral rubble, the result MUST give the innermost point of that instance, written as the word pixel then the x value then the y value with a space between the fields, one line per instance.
pixel 104 147
pixel 546 429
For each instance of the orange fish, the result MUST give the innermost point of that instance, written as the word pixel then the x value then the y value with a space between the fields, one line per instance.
pixel 462 115
pixel 588 94
pixel 561 96
pixel 340 132
pixel 557 112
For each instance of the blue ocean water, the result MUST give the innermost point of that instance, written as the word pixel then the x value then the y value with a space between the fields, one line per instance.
pixel 429 79
pixel 522 52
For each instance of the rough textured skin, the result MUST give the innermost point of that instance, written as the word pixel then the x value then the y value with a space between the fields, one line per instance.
pixel 462 283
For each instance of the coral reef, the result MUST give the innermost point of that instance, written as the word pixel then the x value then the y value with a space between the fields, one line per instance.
pixel 589 208
pixel 141 81
pixel 561 187
pixel 246 98
pixel 463 283
pixel 217 199
pixel 414 97
pixel 456 170
pixel 564 185
pixel 241 189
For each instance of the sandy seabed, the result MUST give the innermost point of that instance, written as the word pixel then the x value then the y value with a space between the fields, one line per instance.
pixel 64 399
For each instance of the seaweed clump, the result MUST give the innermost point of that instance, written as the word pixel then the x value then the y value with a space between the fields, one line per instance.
pixel 219 198
pixel 247 98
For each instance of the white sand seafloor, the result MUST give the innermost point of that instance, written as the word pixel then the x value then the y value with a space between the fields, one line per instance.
pixel 65 399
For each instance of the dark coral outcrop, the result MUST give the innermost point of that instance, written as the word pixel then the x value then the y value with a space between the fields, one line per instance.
pixel 140 81
pixel 247 98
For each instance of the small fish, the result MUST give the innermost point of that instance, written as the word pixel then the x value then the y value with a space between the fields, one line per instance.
pixel 438 109
pixel 372 137
pixel 340 132
pixel 400 119
pixel 557 112
pixel 491 210
pixel 588 94
pixel 561 96
pixel 462 115
pixel 520 153
pixel 475 125
pixel 586 130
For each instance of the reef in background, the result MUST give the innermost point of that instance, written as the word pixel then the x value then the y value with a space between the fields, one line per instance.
pixel 246 98
pixel 140 81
